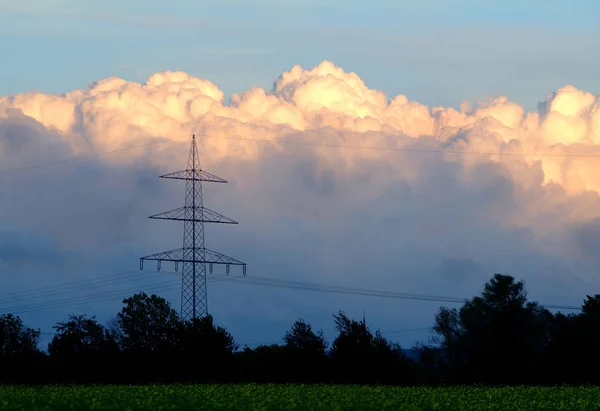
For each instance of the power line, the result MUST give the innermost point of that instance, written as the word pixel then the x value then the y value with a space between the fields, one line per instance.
pixel 94 297
pixel 84 157
pixel 83 298
pixel 258 281
pixel 194 256
pixel 308 144
pixel 365 292
pixel 75 286
pixel 273 282
pixel 401 149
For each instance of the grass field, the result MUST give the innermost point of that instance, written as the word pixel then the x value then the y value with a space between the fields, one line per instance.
pixel 296 397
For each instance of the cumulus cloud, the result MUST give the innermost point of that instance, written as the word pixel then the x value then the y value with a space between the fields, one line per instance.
pixel 448 197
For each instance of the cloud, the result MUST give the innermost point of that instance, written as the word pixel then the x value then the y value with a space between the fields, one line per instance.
pixel 414 215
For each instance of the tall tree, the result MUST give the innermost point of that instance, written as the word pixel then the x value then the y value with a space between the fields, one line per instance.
pixel 148 331
pixel 497 337
pixel 147 323
pixel 206 349
pixel 16 340
pixel 20 357
pixel 305 354
pixel 83 349
pixel 361 357
pixel 80 336
pixel 302 338
pixel 588 336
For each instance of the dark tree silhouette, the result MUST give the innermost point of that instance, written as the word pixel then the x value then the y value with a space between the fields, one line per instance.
pixel 264 364
pixel 587 338
pixel 19 355
pixel 361 357
pixel 83 350
pixel 206 349
pixel 147 323
pixel 498 337
pixel 16 340
pixel 80 336
pixel 305 353
pixel 301 338
pixel 562 363
pixel 148 330
pixel 591 308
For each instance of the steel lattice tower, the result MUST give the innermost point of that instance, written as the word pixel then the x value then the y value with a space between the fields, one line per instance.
pixel 194 255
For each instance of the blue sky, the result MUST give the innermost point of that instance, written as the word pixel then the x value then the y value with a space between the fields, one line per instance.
pixel 436 52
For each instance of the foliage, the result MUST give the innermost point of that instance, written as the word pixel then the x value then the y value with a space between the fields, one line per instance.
pixel 147 323
pixel 302 338
pixel 361 357
pixel 206 349
pixel 16 340
pixel 80 336
pixel 498 337
pixel 19 354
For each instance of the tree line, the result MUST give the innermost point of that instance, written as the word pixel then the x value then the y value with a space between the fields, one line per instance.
pixel 498 337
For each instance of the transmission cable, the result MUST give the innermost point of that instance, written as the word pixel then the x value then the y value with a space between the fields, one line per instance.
pixel 83 157
pixel 308 144
pixel 264 282
pixel 94 282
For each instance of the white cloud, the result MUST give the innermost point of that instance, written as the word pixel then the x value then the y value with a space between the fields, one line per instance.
pixel 415 221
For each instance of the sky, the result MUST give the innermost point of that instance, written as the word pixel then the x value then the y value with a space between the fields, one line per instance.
pixel 284 95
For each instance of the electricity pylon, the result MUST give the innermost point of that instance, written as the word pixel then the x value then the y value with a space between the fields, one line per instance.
pixel 194 255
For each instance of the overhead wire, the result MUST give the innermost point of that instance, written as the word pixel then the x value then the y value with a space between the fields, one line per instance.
pixel 75 286
pixel 53 290
pixel 307 144
pixel 258 281
pixel 83 299
pixel 365 292
pixel 83 157
pixel 94 297
pixel 403 149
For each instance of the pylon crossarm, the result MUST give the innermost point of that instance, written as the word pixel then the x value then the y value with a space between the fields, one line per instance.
pixel 214 257
pixel 194 257
pixel 202 215
pixel 183 255
pixel 196 175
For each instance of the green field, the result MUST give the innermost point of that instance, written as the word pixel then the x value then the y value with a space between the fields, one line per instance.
pixel 296 397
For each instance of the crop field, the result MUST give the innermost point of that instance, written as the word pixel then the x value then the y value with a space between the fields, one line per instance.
pixel 295 397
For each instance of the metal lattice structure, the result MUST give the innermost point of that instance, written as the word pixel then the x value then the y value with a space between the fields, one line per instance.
pixel 194 256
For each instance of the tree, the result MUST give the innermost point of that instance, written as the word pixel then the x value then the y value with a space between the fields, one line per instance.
pixel 264 364
pixel 304 352
pixel 80 336
pixel 302 338
pixel 591 307
pixel 82 349
pixel 497 337
pixel 566 351
pixel 354 338
pixel 114 329
pixel 16 340
pixel 148 330
pixel 202 335
pixel 147 324
pixel 360 357
pixel 206 348
pixel 19 355
pixel 588 337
